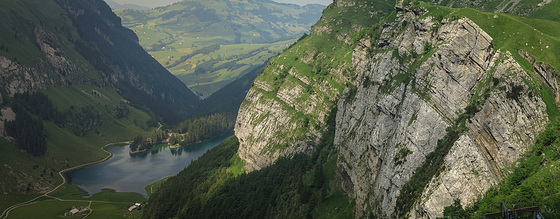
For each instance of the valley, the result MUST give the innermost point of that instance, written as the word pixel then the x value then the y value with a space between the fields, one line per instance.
pixel 384 109
pixel 208 44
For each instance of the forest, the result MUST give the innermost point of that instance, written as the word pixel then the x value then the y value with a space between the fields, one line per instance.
pixel 202 128
pixel 28 128
pixel 214 187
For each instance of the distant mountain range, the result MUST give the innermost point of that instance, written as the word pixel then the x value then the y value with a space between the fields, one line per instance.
pixel 208 44
pixel 115 5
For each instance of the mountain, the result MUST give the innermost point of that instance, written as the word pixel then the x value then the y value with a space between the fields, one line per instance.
pixel 208 44
pixel 146 3
pixel 116 6
pixel 438 104
pixel 95 49
pixel 73 79
pixel 395 110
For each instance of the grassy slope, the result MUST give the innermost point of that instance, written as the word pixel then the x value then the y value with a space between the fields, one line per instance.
pixel 23 176
pixel 64 149
pixel 324 60
pixel 525 8
pixel 17 35
pixel 247 37
pixel 248 56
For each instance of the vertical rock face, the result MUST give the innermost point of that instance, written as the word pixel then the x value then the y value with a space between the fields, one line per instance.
pixel 403 106
pixel 284 111
pixel 406 88
pixel 258 133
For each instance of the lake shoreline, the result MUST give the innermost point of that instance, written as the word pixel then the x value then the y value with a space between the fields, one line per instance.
pixel 132 172
pixel 61 173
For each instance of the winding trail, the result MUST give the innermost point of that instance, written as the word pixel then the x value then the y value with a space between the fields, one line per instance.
pixel 61 174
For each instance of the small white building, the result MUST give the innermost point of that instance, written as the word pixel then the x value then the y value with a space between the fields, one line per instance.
pixel 135 206
pixel 74 211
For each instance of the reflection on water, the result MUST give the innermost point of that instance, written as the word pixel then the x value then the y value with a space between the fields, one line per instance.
pixel 131 173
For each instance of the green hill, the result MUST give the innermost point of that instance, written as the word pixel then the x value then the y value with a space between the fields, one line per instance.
pixel 73 79
pixel 526 8
pixel 208 44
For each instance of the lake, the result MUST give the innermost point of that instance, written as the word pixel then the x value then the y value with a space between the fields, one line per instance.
pixel 131 173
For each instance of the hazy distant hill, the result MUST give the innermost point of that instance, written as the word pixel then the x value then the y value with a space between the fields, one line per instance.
pixel 208 44
pixel 115 5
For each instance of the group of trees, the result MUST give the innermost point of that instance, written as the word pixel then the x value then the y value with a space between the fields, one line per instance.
pixel 28 128
pixel 203 128
pixel 29 132
pixel 187 132
pixel 141 144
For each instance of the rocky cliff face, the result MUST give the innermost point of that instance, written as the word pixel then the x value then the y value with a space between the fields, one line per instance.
pixel 284 112
pixel 387 129
pixel 408 87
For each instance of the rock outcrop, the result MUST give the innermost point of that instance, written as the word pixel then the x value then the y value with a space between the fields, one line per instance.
pixel 408 86
pixel 397 117
pixel 284 112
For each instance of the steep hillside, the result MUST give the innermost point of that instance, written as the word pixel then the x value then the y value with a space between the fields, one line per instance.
pixel 434 104
pixel 138 76
pixel 84 43
pixel 115 5
pixel 284 112
pixel 534 9
pixel 73 79
pixel 208 44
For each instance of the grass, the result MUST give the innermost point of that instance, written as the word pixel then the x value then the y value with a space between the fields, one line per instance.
pixel 21 171
pixel 236 167
pixel 154 186
pixel 111 196
pixel 105 210
pixel 245 56
pixel 5 203
pixel 46 209
pixel 69 191
pixel 106 204
pixel 56 209
pixel 512 33
pixel 337 205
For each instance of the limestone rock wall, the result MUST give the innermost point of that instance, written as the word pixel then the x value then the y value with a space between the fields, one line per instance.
pixel 403 106
pixel 404 90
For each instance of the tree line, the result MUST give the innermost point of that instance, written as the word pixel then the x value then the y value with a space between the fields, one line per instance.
pixel 202 128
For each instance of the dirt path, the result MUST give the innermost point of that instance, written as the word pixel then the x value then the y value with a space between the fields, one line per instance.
pixel 90 210
pixel 61 174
